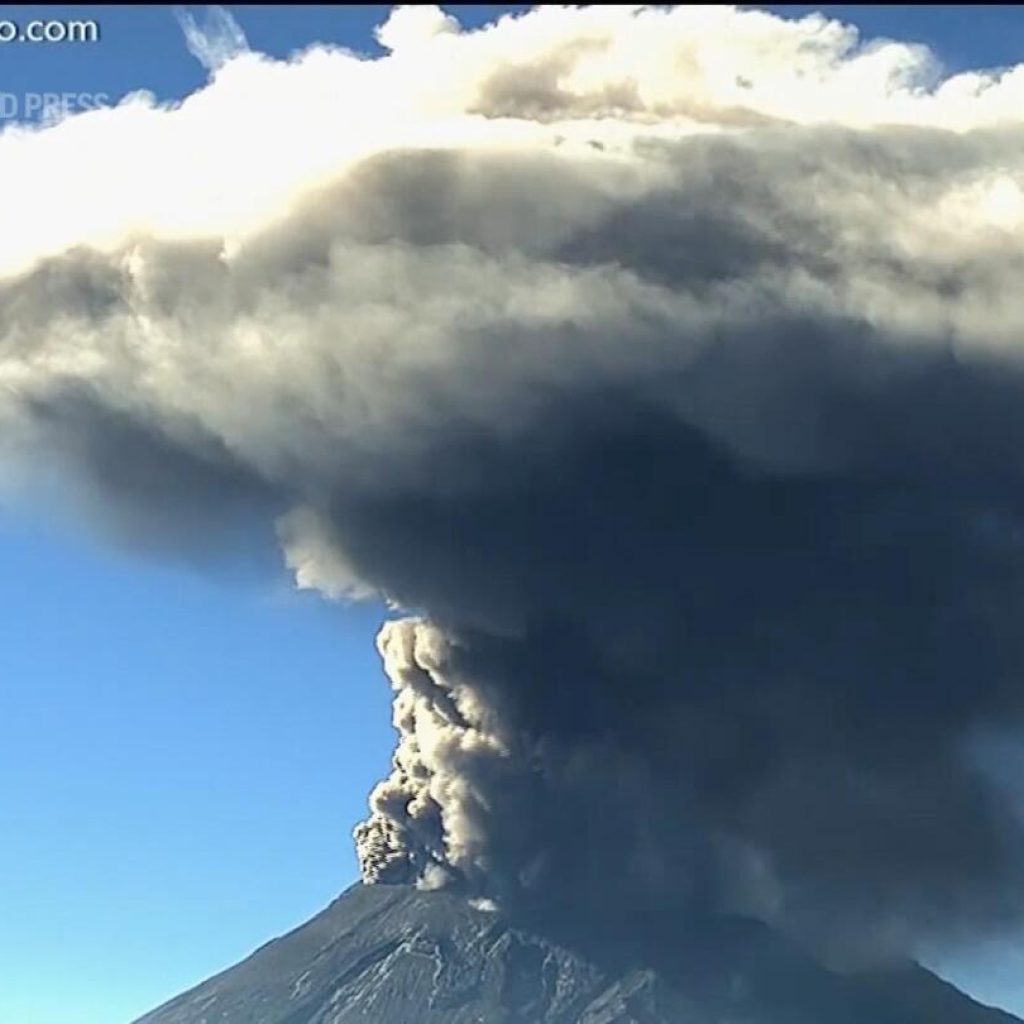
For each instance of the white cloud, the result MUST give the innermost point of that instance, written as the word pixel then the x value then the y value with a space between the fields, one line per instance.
pixel 216 40
pixel 415 25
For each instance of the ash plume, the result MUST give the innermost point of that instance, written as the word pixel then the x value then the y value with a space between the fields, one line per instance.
pixel 664 366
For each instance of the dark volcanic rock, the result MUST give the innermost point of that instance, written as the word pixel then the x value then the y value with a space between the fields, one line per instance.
pixel 392 955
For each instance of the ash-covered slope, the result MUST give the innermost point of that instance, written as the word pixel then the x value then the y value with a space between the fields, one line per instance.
pixel 393 955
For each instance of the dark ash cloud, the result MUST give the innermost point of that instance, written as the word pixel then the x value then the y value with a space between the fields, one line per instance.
pixel 684 426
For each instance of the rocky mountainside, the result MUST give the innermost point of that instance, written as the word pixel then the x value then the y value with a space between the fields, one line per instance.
pixel 393 955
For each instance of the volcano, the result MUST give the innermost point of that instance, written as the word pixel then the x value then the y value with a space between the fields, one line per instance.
pixel 386 954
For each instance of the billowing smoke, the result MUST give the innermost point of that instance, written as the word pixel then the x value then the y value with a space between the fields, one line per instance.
pixel 664 366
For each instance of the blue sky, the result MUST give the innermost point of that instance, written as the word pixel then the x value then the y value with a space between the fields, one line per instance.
pixel 182 756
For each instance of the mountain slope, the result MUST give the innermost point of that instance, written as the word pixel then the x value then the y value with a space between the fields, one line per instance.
pixel 392 955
